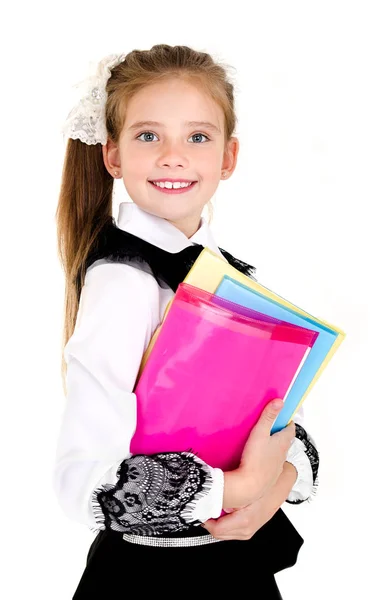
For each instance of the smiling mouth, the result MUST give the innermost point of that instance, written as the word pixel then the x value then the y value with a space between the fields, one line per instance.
pixel 172 190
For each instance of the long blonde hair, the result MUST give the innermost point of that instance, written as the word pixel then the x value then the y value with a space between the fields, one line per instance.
pixel 85 199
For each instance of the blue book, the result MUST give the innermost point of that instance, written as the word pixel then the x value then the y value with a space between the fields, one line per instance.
pixel 232 290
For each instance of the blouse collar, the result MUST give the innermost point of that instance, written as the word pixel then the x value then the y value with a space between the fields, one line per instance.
pixel 161 233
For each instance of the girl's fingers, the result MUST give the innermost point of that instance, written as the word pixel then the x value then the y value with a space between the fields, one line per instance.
pixel 229 527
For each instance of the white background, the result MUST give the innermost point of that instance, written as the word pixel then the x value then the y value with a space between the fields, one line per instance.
pixel 299 207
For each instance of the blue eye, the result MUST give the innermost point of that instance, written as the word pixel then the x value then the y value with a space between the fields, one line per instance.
pixel 150 133
pixel 145 133
pixel 202 134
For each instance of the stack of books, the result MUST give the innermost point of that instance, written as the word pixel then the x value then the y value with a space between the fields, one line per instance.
pixel 226 347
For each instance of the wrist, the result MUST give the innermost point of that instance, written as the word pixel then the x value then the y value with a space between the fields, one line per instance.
pixel 290 468
pixel 237 490
pixel 231 490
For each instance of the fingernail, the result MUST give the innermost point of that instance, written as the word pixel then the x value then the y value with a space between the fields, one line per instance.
pixel 277 403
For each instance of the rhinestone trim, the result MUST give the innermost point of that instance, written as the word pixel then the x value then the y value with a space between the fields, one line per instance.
pixel 170 542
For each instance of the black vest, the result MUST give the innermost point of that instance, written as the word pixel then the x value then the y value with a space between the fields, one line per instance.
pixel 277 542
pixel 168 269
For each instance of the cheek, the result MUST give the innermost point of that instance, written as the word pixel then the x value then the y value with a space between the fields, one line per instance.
pixel 210 165
pixel 137 166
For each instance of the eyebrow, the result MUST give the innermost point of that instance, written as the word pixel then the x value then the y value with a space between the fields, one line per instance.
pixel 204 124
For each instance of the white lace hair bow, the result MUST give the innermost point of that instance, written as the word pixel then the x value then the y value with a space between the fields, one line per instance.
pixel 86 121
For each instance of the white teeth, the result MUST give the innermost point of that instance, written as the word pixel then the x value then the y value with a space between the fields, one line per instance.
pixel 169 184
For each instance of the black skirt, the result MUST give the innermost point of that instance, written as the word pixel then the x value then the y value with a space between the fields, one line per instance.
pixel 118 567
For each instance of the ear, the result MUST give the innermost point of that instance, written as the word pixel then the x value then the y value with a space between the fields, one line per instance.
pixel 230 156
pixel 111 157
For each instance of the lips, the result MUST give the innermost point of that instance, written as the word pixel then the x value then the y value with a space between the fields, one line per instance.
pixel 185 186
pixel 172 180
pixel 173 190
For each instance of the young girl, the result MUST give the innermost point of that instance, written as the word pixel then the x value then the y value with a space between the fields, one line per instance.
pixel 161 120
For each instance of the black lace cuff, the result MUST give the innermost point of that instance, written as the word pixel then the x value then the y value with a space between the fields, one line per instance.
pixel 154 495
pixel 313 457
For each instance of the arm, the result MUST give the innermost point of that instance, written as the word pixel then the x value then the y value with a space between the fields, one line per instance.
pixel 242 524
pixel 94 474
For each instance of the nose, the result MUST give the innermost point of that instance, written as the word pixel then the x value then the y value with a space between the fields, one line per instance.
pixel 173 155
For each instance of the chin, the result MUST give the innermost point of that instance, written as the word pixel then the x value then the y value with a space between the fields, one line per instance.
pixel 171 211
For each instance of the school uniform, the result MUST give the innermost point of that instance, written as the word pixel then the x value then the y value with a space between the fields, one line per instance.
pixel 146 511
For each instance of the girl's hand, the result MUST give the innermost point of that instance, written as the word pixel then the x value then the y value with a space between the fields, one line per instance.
pixel 262 460
pixel 242 524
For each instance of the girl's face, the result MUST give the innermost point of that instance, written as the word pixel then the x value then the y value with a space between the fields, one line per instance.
pixel 171 148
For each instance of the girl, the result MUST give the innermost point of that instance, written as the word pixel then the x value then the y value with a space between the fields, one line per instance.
pixel 161 120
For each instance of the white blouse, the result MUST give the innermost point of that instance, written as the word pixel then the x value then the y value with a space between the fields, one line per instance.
pixel 120 307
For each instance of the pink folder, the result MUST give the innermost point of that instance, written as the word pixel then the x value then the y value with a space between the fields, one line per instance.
pixel 210 375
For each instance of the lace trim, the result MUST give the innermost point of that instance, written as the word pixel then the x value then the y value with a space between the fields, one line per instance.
pixel 313 457
pixel 154 495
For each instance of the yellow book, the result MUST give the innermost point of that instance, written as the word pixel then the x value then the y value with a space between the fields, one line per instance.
pixel 207 273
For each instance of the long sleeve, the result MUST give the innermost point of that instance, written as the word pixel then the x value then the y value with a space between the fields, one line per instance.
pixel 303 454
pixel 95 477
